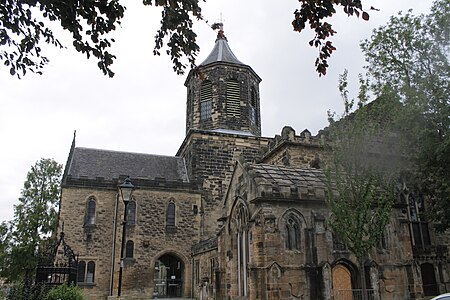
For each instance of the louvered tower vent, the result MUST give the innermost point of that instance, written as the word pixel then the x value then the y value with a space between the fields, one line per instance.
pixel 223 93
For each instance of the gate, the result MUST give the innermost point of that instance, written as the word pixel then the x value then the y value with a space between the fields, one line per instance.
pixel 354 294
pixel 57 264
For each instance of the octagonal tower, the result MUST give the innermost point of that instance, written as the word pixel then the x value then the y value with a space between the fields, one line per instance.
pixel 223 93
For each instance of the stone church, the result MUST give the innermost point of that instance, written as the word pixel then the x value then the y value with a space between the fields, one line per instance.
pixel 233 215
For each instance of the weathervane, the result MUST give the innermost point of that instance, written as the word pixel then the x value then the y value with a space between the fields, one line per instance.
pixel 219 27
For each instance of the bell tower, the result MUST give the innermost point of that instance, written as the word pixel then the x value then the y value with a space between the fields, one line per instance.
pixel 223 93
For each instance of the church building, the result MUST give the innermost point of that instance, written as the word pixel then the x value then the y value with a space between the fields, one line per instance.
pixel 233 215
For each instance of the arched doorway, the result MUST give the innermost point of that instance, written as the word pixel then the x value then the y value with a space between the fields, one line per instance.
pixel 342 282
pixel 168 277
pixel 428 279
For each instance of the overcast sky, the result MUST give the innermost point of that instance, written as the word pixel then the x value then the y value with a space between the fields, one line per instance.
pixel 142 109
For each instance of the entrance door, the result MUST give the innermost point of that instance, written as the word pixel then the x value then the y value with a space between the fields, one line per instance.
pixel 428 279
pixel 342 283
pixel 168 277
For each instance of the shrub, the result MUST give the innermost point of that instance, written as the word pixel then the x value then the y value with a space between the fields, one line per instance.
pixel 65 292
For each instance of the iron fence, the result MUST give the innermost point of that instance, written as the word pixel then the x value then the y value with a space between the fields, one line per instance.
pixel 353 294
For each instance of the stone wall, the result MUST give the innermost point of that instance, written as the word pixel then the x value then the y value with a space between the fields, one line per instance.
pixel 210 157
pixel 206 279
pixel 92 243
pixel 289 149
pixel 151 237
pixel 276 272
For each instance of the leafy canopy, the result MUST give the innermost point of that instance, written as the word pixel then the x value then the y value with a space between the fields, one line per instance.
pixel 409 57
pixel 360 173
pixel 361 176
pixel 35 220
pixel 24 25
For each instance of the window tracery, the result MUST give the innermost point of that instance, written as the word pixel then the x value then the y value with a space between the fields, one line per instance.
pixel 240 231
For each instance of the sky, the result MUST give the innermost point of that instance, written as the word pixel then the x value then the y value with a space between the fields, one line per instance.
pixel 142 109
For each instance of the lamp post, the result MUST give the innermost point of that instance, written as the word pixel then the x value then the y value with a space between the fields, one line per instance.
pixel 125 191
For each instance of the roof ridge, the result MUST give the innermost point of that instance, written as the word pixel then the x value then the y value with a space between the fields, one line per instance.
pixel 286 167
pixel 129 152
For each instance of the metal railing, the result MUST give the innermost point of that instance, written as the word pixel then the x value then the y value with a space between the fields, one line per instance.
pixel 353 294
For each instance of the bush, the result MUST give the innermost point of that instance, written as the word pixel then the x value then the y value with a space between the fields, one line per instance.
pixel 21 291
pixel 65 292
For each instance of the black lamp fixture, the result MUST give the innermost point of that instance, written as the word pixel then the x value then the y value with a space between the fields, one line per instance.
pixel 126 190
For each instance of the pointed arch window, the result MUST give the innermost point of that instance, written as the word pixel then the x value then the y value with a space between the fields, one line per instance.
pixel 205 100
pixel 292 234
pixel 129 249
pixel 90 272
pixel 170 216
pixel 86 272
pixel 90 211
pixel 233 102
pixel 253 97
pixel 131 214
pixel 242 247
pixel 420 236
pixel 81 271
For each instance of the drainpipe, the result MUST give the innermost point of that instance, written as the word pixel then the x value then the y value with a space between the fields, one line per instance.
pixel 192 277
pixel 113 256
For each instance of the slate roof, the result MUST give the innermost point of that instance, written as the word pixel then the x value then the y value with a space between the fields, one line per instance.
pixel 93 163
pixel 282 181
pixel 221 52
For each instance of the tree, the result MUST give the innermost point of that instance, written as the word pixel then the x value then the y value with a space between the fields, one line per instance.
pixel 24 25
pixel 314 12
pixel 5 239
pixel 35 220
pixel 409 57
pixel 360 176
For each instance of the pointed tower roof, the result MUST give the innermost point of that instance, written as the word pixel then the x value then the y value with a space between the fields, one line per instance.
pixel 220 55
pixel 221 52
pixel 223 93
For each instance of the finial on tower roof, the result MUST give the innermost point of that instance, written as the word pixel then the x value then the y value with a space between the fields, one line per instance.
pixel 219 28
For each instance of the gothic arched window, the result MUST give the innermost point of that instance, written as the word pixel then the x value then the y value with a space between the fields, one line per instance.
pixel 170 216
pixel 81 271
pixel 233 98
pixel 242 247
pixel 292 234
pixel 86 272
pixel 90 272
pixel 205 100
pixel 131 214
pixel 420 236
pixel 90 211
pixel 129 249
